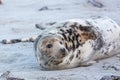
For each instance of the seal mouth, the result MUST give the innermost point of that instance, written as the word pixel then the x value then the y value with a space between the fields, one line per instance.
pixel 56 62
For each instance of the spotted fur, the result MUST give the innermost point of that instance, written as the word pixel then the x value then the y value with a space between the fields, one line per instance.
pixel 83 41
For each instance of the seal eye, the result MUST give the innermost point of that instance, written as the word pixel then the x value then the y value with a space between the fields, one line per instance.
pixel 49 45
pixel 61 42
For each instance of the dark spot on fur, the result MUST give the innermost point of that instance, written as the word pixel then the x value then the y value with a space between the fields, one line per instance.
pixel 63 39
pixel 69 31
pixel 88 23
pixel 77 45
pixel 77 27
pixel 46 63
pixel 70 48
pixel 69 39
pixel 78 53
pixel 73 37
pixel 76 36
pixel 73 45
pixel 102 51
pixel 64 36
pixel 80 43
pixel 85 28
pixel 75 23
pixel 57 62
pixel 41 65
pixel 68 62
pixel 62 30
pixel 64 25
pixel 66 45
pixel 99 44
pixel 71 57
pixel 72 26
pixel 106 53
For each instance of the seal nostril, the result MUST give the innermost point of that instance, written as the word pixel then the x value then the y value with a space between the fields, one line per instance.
pixel 62 50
